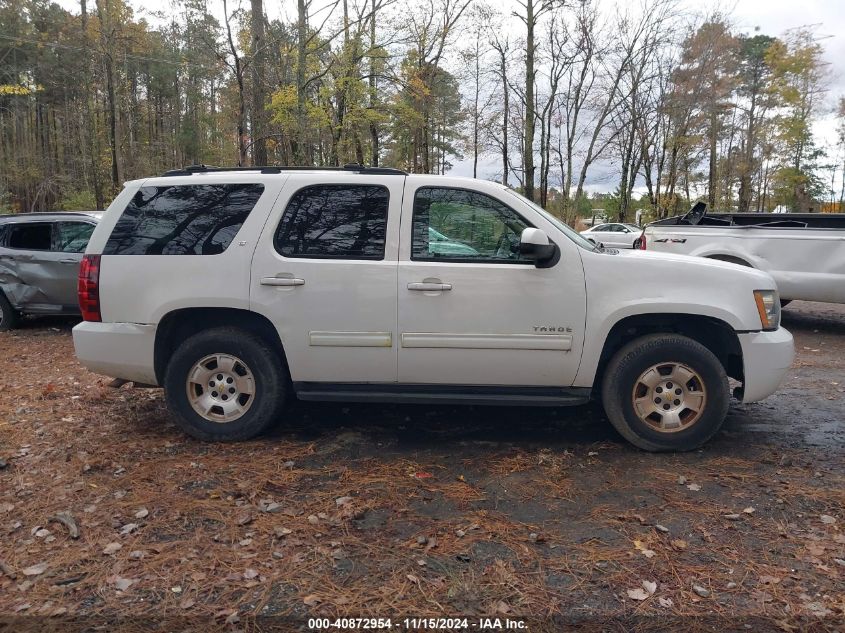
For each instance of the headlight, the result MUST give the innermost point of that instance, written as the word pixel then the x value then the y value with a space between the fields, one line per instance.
pixel 768 305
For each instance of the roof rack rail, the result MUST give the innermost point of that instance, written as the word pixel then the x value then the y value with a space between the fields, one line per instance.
pixel 190 170
pixel 29 214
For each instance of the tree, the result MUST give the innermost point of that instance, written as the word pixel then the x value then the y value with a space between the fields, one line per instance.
pixel 259 94
pixel 754 76
pixel 797 87
pixel 532 11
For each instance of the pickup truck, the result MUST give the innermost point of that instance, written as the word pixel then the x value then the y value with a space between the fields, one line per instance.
pixel 803 252
pixel 239 289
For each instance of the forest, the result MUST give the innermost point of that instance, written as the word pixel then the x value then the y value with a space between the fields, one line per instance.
pixel 661 106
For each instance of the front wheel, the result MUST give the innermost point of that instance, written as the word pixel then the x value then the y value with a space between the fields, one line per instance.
pixel 665 392
pixel 225 384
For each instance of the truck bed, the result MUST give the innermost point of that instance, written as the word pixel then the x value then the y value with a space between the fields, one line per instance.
pixel 768 220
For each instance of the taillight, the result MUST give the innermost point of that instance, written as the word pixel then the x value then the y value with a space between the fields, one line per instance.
pixel 88 288
pixel 642 242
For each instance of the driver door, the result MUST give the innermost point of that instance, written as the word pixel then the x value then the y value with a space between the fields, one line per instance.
pixel 471 310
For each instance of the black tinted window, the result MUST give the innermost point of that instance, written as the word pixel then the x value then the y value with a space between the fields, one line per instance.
pixel 183 219
pixel 30 237
pixel 335 221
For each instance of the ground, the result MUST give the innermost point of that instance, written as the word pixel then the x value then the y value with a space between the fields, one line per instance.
pixel 389 511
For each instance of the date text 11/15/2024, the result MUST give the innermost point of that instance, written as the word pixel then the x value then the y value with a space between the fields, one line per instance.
pixel 414 624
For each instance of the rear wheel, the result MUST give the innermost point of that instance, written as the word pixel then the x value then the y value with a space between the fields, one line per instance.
pixel 225 384
pixel 665 392
pixel 9 317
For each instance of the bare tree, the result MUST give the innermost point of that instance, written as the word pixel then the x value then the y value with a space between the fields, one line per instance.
pixel 532 11
pixel 501 45
pixel 258 127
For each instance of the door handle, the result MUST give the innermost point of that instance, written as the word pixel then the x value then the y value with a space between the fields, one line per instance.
pixel 427 286
pixel 282 281
pixel 68 261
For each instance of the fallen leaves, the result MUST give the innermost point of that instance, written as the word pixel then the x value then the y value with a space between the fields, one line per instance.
pixel 68 521
pixel 644 591
pixel 644 550
pixel 112 548
pixel 120 583
pixel 35 570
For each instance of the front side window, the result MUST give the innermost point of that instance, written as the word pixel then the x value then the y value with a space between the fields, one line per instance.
pixel 32 236
pixel 335 222
pixel 183 219
pixel 73 236
pixel 462 225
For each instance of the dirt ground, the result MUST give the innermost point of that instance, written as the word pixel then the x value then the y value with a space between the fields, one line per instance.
pixel 392 511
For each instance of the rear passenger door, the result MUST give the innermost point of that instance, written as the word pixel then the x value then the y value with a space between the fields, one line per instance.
pixel 324 273
pixel 36 268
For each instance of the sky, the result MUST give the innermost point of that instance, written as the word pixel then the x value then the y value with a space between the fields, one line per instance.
pixel 771 17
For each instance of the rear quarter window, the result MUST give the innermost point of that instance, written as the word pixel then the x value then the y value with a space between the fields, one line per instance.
pixel 183 219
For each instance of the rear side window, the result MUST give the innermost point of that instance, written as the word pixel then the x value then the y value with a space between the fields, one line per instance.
pixel 72 237
pixel 183 219
pixel 31 236
pixel 335 222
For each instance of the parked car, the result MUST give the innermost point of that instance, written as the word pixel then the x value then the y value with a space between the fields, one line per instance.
pixel 803 252
pixel 239 289
pixel 39 262
pixel 614 234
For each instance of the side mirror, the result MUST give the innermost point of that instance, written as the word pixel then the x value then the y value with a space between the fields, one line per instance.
pixel 535 245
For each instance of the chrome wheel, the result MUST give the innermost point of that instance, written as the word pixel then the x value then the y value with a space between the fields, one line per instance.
pixel 221 388
pixel 669 397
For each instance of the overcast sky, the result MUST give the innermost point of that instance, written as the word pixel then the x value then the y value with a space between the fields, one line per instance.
pixel 771 17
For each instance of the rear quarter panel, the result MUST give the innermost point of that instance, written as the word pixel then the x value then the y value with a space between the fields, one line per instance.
pixel 144 288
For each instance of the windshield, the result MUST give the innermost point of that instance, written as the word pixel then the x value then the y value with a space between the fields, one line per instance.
pixel 560 225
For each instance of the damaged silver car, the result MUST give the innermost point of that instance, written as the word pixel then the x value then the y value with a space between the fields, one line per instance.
pixel 39 262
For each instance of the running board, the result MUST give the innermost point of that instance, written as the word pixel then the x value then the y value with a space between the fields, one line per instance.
pixel 442 394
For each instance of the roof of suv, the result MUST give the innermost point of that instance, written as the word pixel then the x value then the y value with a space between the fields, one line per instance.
pixel 51 216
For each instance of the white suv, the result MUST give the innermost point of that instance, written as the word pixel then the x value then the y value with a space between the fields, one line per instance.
pixel 238 289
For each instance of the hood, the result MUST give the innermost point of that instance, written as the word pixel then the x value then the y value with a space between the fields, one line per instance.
pixel 701 263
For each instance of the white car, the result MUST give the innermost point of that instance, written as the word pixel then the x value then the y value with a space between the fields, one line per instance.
pixel 237 290
pixel 614 234
pixel 803 252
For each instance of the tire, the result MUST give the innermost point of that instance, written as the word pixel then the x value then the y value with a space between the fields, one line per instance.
pixel 703 402
pixel 237 360
pixel 9 318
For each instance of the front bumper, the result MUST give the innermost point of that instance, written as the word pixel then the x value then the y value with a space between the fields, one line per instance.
pixel 766 357
pixel 120 350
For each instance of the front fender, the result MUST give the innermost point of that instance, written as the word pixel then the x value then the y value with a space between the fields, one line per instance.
pixel 597 332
